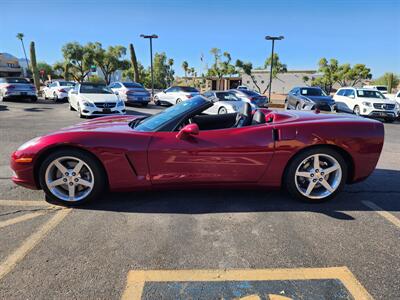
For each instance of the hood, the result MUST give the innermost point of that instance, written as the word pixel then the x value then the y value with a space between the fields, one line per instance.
pixel 104 124
pixel 319 98
pixel 96 98
pixel 377 100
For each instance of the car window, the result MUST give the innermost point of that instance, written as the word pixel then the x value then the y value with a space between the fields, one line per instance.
pixel 370 94
pixel 117 85
pixel 208 94
pixel 16 80
pixel 94 89
pixel 188 89
pixel 340 92
pixel 224 96
pixel 157 121
pixel 131 85
pixel 250 93
pixel 66 83
pixel 171 89
pixel 349 93
pixel 312 92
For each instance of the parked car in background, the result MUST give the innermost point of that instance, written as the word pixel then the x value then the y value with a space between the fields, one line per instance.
pixel 365 102
pixel 397 100
pixel 225 102
pixel 58 90
pixel 131 92
pixel 17 88
pixel 252 97
pixel 175 94
pixel 309 98
pixel 382 88
pixel 242 87
pixel 94 99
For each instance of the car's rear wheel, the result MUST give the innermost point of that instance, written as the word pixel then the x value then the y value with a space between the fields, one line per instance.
pixel 71 177
pixel 316 175
pixel 287 104
pixel 157 101
pixel 222 111
pixel 55 97
pixel 356 110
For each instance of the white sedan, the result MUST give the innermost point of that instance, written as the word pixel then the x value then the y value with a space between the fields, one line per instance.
pixel 93 99
pixel 175 94
pixel 58 90
pixel 225 102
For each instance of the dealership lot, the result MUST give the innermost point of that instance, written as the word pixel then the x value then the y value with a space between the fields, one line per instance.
pixel 350 245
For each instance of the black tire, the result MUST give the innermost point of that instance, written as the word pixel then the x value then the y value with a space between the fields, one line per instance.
pixel 356 110
pixel 290 173
pixel 145 104
pixel 287 104
pixel 44 96
pixel 389 120
pixel 100 181
pixel 157 101
pixel 80 112
pixel 222 111
pixel 71 108
pixel 34 99
pixel 178 101
pixel 55 97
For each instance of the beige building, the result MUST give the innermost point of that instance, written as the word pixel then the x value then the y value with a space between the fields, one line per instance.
pixel 9 66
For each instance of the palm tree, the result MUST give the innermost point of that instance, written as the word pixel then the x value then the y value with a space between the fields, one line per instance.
pixel 185 67
pixel 20 36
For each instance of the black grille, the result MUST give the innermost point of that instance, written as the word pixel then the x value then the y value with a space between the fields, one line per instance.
pixel 324 107
pixel 105 105
pixel 384 106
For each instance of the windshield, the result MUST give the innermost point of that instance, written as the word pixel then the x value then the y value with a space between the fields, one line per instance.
pixel 370 94
pixel 158 120
pixel 382 88
pixel 16 80
pixel 227 97
pixel 67 83
pixel 94 89
pixel 132 85
pixel 312 92
pixel 188 89
pixel 249 93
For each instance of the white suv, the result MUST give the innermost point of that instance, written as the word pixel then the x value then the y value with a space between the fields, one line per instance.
pixel 365 102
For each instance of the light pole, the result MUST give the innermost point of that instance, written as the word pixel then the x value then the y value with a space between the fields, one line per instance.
pixel 273 39
pixel 151 37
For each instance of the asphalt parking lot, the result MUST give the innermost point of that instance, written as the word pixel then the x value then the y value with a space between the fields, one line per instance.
pixel 209 244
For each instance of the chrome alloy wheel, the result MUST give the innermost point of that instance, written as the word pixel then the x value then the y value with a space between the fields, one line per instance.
pixel 318 176
pixel 69 178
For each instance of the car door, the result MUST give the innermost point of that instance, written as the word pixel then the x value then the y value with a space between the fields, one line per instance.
pixel 164 95
pixel 292 98
pixel 214 156
pixel 351 100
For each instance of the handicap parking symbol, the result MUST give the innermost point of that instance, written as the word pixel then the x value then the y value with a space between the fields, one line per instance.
pixel 265 284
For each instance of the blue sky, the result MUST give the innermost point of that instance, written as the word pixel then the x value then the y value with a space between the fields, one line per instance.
pixel 353 31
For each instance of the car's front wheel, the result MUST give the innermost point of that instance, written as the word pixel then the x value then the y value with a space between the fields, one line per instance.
pixel 298 106
pixel 71 177
pixel 356 110
pixel 222 111
pixel 316 175
pixel 157 101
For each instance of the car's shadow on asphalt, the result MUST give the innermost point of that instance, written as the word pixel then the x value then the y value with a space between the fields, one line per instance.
pixel 3 108
pixel 207 201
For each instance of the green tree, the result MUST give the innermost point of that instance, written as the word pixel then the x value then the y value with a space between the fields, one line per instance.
pixel 389 79
pixel 48 70
pixel 277 68
pixel 329 76
pixel 220 67
pixel 62 68
pixel 185 67
pixel 160 69
pixel 171 72
pixel 35 71
pixel 134 63
pixel 79 59
pixel 109 60
pixel 306 79
pixel 144 75
pixel 247 68
pixel 20 36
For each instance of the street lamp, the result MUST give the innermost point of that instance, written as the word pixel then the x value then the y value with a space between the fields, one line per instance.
pixel 151 37
pixel 273 39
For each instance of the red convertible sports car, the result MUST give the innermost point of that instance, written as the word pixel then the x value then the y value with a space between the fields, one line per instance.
pixel 312 155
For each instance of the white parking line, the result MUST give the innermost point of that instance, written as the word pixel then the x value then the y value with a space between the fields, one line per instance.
pixel 379 210
pixel 11 261
pixel 21 218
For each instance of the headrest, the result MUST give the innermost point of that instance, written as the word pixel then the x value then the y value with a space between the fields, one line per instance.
pixel 246 110
pixel 258 118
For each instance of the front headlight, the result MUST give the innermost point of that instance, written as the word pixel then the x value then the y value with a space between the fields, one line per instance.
pixel 367 103
pixel 87 103
pixel 120 103
pixel 28 144
pixel 307 100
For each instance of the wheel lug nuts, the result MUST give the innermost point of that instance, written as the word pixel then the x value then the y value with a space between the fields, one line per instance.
pixel 65 179
pixel 66 174
pixel 322 173
pixel 312 175
pixel 73 173
pixel 316 171
pixel 314 180
pixel 71 183
pixel 320 179
pixel 76 179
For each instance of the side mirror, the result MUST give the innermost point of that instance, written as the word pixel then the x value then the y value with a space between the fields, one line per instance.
pixel 188 130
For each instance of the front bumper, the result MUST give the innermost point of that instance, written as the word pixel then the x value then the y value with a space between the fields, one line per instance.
pixel 96 111
pixel 372 112
pixel 23 173
pixel 321 106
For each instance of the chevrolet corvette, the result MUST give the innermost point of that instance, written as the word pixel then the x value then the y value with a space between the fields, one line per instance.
pixel 309 154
